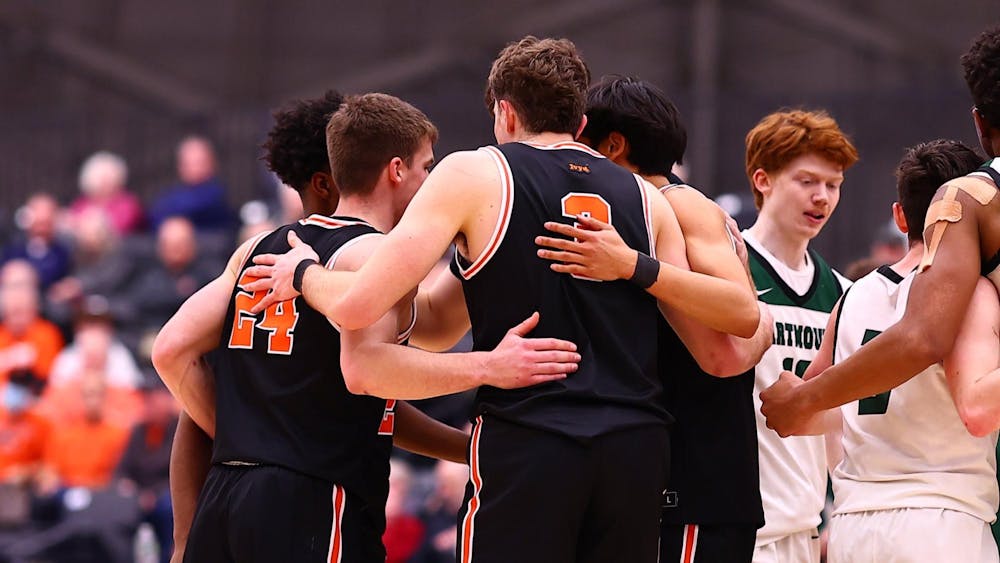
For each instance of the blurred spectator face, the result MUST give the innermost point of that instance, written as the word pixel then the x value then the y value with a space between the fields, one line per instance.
pixel 103 175
pixel 17 398
pixel 450 480
pixel 18 307
pixel 92 395
pixel 291 204
pixel 18 273
pixel 93 338
pixel 160 407
pixel 40 216
pixel 399 488
pixel 176 245
pixel 93 232
pixel 195 161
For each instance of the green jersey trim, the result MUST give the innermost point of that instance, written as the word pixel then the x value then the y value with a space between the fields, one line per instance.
pixel 821 296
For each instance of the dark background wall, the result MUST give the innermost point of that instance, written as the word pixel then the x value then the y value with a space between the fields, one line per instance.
pixel 133 76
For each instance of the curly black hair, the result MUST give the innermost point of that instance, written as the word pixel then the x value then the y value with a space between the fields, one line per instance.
pixel 296 146
pixel 644 115
pixel 982 73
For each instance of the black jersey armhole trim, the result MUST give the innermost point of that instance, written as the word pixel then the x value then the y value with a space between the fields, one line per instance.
pixel 889 274
pixel 991 264
pixel 839 311
pixel 798 300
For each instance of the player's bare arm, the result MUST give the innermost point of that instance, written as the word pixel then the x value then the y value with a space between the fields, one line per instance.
pixel 936 306
pixel 461 196
pixel 193 331
pixel 598 251
pixel 190 458
pixel 973 367
pixel 375 364
pixel 418 433
pixel 442 316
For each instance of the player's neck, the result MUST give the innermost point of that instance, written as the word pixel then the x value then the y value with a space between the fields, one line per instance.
pixel 790 251
pixel 376 213
pixel 910 260
pixel 547 138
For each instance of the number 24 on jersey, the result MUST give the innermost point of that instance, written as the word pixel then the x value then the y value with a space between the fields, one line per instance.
pixel 278 321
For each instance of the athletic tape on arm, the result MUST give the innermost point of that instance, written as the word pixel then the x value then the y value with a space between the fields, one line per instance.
pixel 949 210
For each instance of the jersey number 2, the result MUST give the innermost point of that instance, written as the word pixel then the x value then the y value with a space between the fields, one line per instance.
pixel 279 321
pixel 575 204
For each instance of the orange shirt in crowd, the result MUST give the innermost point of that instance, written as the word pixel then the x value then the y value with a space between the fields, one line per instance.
pixel 62 405
pixel 46 340
pixel 23 440
pixel 85 454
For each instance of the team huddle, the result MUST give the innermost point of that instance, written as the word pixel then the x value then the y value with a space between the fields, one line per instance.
pixel 651 383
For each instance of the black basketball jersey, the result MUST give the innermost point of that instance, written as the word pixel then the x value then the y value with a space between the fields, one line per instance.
pixel 714 476
pixel 612 323
pixel 280 394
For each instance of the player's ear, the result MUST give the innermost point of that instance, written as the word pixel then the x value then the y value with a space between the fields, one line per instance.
pixel 509 116
pixel 583 125
pixel 617 146
pixel 899 218
pixel 394 170
pixel 761 181
pixel 322 184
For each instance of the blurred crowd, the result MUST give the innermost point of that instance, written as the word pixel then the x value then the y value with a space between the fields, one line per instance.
pixel 85 425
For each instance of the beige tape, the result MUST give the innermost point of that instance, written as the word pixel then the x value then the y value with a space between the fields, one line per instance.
pixel 948 210
pixel 980 190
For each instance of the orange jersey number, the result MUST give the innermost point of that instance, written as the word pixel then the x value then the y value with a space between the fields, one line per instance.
pixel 388 424
pixel 588 205
pixel 279 321
pixel 575 204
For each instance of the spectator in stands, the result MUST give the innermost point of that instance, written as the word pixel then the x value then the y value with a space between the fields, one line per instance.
pixel 440 514
pixel 28 343
pixel 404 532
pixel 144 468
pixel 84 453
pixel 102 183
pixel 95 347
pixel 38 243
pixel 101 267
pixel 161 287
pixel 23 432
pixel 889 245
pixel 199 196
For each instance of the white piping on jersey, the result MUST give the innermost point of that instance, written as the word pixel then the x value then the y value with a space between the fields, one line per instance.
pixel 253 246
pixel 647 214
pixel 328 222
pixel 573 145
pixel 503 219
pixel 402 336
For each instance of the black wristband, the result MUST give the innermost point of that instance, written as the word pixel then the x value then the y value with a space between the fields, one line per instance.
pixel 647 269
pixel 300 272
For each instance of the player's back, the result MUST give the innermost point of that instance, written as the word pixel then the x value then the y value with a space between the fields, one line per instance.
pixel 281 397
pixel 908 447
pixel 989 173
pixel 612 323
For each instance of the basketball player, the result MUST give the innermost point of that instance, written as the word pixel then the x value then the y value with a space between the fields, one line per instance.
pixel 713 506
pixel 913 485
pixel 963 242
pixel 296 453
pixel 491 203
pixel 795 161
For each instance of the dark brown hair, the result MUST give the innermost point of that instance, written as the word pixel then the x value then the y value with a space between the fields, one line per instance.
pixel 545 80
pixel 366 133
pixel 922 170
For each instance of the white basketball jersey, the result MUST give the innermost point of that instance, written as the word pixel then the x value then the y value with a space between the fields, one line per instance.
pixel 792 470
pixel 906 448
